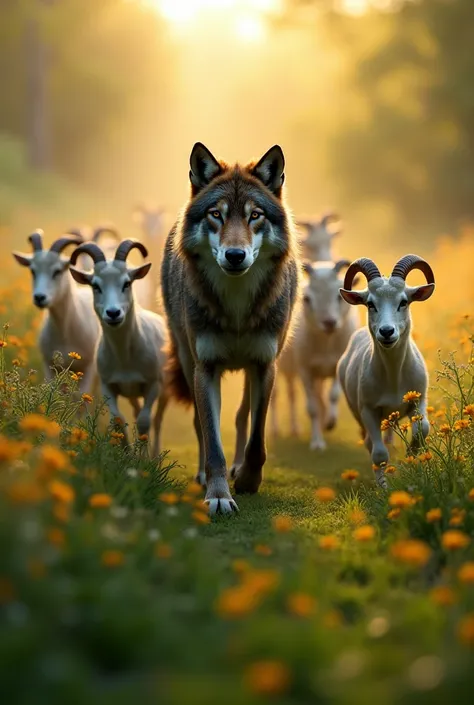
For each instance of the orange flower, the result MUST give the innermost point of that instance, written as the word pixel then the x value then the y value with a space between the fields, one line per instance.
pixel 385 425
pixel 262 549
pixel 329 543
pixel 201 517
pixel 445 429
pixel 394 513
pixel 404 427
pixel 390 469
pixel 100 501
pixel 163 550
pixel 400 499
pixel 77 435
pixel 56 537
pixel 325 494
pixel 268 678
pixel 471 495
pixel 466 573
pixel 462 424
pixel 194 488
pixel 143 437
pixel 454 540
pixel 417 417
pixel 411 552
pixel 469 410
pixel 411 396
pixel 240 566
pixel 52 459
pixel 87 399
pixel 443 596
pixel 282 524
pixel 261 581
pixel 434 515
pixel 74 356
pixel 364 533
pixel 350 475
pixel 236 602
pixel 3 344
pixel 301 605
pixel 357 516
pixel 112 558
pixel 465 630
pixel 61 492
pixel 394 416
pixel 425 457
pixel 169 498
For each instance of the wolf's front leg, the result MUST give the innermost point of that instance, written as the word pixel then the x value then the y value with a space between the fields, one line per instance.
pixel 249 476
pixel 241 427
pixel 207 391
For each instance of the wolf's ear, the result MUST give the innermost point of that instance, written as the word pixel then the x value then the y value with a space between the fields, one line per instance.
pixel 204 167
pixel 270 169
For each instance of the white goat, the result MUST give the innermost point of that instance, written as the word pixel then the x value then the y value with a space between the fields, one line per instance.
pixel 69 324
pixel 317 246
pixel 131 356
pixel 323 328
pixel 382 362
pixel 105 235
pixel 150 220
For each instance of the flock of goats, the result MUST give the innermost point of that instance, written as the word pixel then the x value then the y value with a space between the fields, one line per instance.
pixel 230 278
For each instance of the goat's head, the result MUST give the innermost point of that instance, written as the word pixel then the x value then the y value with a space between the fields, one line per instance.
pixel 323 306
pixel 320 235
pixel 111 280
pixel 47 267
pixel 150 220
pixel 388 298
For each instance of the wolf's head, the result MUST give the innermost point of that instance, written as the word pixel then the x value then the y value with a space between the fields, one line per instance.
pixel 236 214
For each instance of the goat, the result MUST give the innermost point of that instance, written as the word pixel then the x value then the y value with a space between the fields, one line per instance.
pixel 317 246
pixel 229 281
pixel 68 324
pixel 130 356
pixel 382 362
pixel 97 235
pixel 323 328
pixel 150 221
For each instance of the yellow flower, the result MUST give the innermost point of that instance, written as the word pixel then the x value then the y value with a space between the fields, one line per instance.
pixel 364 533
pixel 61 492
pixel 169 498
pixel 263 550
pixel 201 517
pixel 462 424
pixel 329 543
pixel 445 429
pixel 163 550
pixel 394 416
pixel 404 427
pixel 52 459
pixel 469 410
pixel 465 630
pixel 87 399
pixel 77 435
pixel 325 494
pixel 457 517
pixel 394 513
pixel 411 552
pixel 417 417
pixel 385 425
pixel 74 356
pixel 283 524
pixel 36 423
pixel 3 344
pixel 301 604
pixel 443 596
pixel 117 435
pixel 430 409
pixel 100 501
pixel 194 488
pixel 56 536
pixel 261 581
pixel 390 469
pixel 112 558
pixel 350 475
pixel 236 602
pixel 10 449
pixel 466 573
pixel 434 515
pixel 74 377
pixel 400 499
pixel 411 396
pixel 16 362
pixel 425 457
pixel 454 539
pixel 268 678
pixel 357 516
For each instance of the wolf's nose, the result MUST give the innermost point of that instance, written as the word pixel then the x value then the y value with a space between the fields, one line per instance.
pixel 235 256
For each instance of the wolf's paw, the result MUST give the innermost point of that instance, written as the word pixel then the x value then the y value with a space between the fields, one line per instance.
pixel 219 505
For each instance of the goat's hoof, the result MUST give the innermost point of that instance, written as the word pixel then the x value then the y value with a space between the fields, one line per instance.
pixel 331 424
pixel 219 505
pixel 318 445
pixel 381 481
pixel 201 478
pixel 233 471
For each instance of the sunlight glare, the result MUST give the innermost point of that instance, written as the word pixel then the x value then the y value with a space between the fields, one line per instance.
pixel 249 28
pixel 355 7
pixel 185 11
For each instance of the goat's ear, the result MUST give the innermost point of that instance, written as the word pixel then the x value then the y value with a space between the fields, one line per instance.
pixel 24 260
pixel 354 298
pixel 80 276
pixel 204 167
pixel 139 272
pixel 420 293
pixel 271 169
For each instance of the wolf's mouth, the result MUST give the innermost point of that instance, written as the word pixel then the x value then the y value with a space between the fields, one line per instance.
pixel 234 271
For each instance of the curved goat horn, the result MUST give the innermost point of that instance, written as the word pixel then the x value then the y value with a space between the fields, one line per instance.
pixel 61 243
pixel 91 249
pixel 98 232
pixel 406 264
pixel 125 247
pixel 341 264
pixel 329 218
pixel 364 265
pixel 36 240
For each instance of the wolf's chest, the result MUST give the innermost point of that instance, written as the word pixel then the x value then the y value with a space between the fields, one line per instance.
pixel 236 351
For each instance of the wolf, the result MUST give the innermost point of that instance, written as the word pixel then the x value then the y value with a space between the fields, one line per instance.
pixel 230 277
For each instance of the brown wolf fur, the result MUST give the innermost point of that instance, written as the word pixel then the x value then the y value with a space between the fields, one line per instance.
pixel 229 283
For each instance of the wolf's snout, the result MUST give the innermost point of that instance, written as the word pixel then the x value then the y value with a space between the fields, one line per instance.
pixel 235 256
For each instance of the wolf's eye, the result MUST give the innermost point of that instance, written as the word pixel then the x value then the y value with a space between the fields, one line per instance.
pixel 216 214
pixel 255 215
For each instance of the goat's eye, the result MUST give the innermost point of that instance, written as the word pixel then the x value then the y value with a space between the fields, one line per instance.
pixel 371 306
pixel 97 288
pixel 402 304
pixel 216 214
pixel 33 273
pixel 126 285
pixel 255 215
pixel 306 299
pixel 56 274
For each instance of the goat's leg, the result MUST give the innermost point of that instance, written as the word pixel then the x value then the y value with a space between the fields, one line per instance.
pixel 249 476
pixel 163 400
pixel 332 415
pixel 241 426
pixel 275 425
pixel 371 420
pixel 207 392
pixel 314 411
pixel 291 387
pixel 144 415
pixel 136 407
pixel 86 385
pixel 420 429
pixel 115 415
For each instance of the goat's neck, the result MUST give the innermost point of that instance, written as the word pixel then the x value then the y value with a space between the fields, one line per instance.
pixel 390 362
pixel 121 341
pixel 64 306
